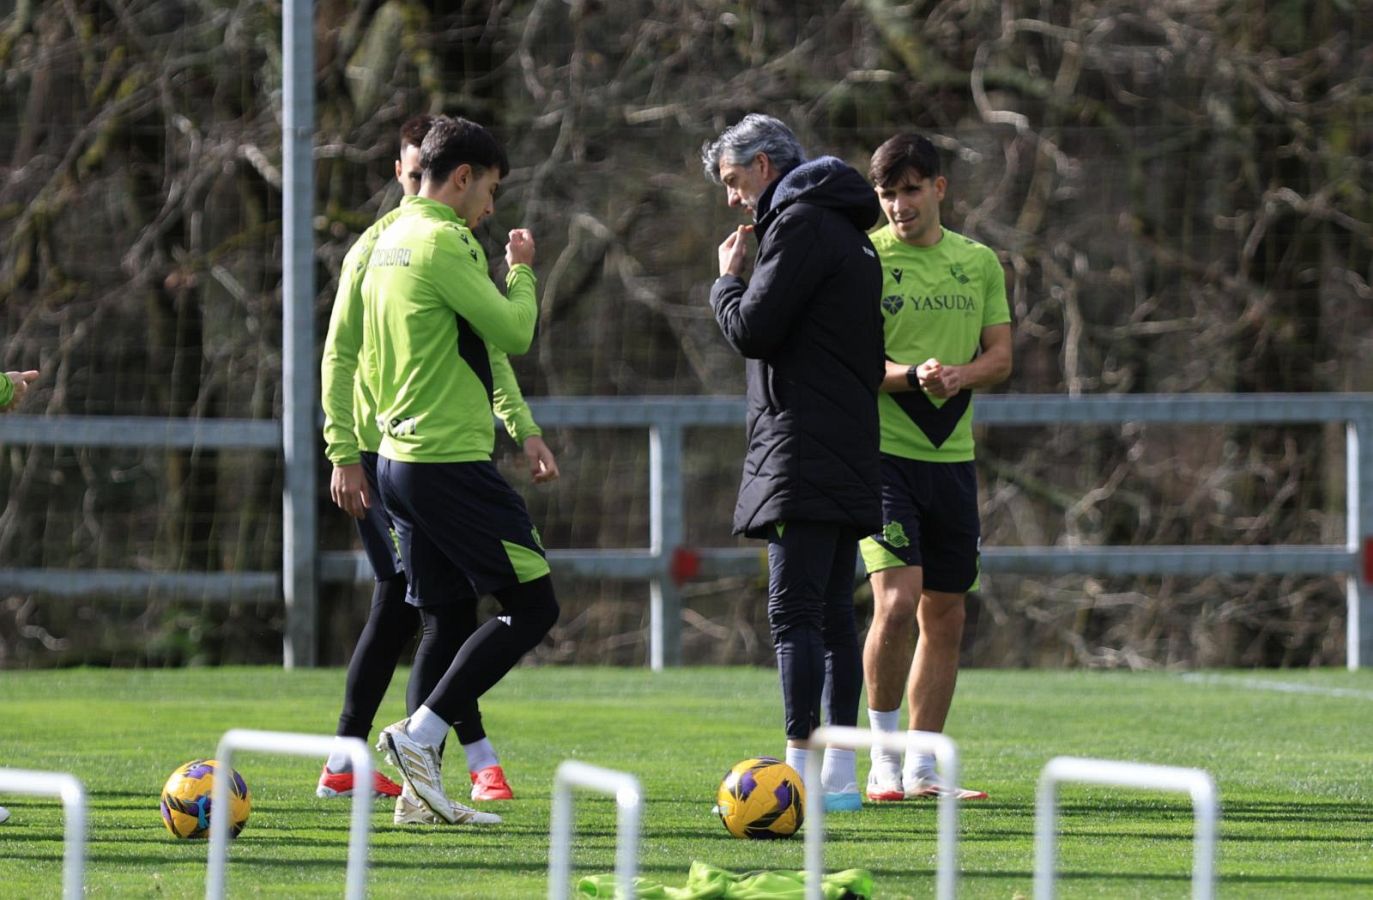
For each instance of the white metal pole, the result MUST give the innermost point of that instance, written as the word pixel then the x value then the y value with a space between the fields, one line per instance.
pixel 296 745
pixel 946 763
pixel 1359 530
pixel 629 800
pixel 73 794
pixel 665 517
pixel 1196 783
pixel 299 395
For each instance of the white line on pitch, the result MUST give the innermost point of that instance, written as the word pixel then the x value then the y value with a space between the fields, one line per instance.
pixel 1283 687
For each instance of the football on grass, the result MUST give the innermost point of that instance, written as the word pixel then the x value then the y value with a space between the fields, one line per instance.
pixel 761 798
pixel 186 799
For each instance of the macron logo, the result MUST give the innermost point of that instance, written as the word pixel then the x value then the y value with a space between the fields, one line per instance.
pixel 868 250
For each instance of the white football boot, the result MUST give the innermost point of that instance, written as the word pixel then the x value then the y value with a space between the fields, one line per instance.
pixel 411 811
pixel 931 787
pixel 421 766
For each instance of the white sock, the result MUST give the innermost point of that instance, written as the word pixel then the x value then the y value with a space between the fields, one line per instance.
pixel 796 758
pixel 919 766
pixel 839 774
pixel 890 722
pixel 480 754
pixel 426 727
pixel 340 760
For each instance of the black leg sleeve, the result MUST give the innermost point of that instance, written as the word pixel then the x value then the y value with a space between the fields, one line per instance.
pixel 529 611
pixel 391 623
pixel 446 629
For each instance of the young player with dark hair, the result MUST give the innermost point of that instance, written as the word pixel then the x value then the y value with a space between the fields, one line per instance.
pixel 947 334
pixel 352 438
pixel 431 320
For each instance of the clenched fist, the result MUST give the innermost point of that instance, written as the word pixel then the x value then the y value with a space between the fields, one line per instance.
pixel 520 250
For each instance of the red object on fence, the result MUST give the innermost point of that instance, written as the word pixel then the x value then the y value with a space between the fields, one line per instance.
pixel 685 565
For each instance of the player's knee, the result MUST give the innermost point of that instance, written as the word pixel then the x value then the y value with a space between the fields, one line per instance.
pixel 537 611
pixel 942 620
pixel 894 609
pixel 546 615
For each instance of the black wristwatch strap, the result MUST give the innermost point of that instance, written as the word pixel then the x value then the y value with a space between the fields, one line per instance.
pixel 912 378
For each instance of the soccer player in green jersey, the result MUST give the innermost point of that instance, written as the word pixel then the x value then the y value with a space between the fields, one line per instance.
pixel 352 438
pixel 431 318
pixel 947 333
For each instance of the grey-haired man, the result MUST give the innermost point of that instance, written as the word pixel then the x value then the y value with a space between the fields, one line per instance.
pixel 809 324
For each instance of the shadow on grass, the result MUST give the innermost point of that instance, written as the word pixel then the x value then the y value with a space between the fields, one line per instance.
pixel 1322 812
pixel 418 864
pixel 1226 881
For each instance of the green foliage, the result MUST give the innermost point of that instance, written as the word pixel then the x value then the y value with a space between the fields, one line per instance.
pixel 1292 769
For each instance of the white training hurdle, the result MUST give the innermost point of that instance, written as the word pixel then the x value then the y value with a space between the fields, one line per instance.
pixel 1076 770
pixel 295 745
pixel 630 800
pixel 73 794
pixel 946 762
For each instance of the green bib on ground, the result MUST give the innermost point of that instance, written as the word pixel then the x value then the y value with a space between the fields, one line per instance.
pixel 707 882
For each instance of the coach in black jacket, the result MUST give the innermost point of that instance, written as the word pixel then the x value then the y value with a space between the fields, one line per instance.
pixel 809 324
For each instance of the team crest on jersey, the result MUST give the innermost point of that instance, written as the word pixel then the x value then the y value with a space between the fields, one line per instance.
pixel 893 304
pixel 364 257
pixel 957 272
pixel 897 273
pixel 402 427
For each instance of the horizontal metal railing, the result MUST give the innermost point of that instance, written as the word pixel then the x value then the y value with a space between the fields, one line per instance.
pixel 666 418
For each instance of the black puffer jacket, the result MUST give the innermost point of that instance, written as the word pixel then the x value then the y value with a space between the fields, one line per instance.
pixel 810 325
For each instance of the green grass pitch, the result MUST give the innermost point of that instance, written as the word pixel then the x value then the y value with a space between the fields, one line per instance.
pixel 1294 769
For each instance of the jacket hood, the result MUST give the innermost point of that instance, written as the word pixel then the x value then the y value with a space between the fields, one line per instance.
pixel 832 183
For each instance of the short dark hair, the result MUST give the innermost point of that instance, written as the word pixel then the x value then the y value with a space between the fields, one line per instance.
pixel 453 141
pixel 413 132
pixel 901 154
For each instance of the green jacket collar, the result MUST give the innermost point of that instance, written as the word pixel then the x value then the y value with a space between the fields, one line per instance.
pixel 432 208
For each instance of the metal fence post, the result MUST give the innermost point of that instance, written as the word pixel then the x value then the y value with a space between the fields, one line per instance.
pixel 665 518
pixel 1359 519
pixel 299 396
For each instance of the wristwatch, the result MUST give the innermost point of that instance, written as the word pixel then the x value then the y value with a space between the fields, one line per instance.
pixel 912 378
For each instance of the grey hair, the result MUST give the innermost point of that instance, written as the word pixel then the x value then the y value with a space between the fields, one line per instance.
pixel 753 134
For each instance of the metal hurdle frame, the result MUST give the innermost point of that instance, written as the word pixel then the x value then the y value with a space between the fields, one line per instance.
pixel 629 798
pixel 1146 776
pixel 73 794
pixel 946 762
pixel 295 745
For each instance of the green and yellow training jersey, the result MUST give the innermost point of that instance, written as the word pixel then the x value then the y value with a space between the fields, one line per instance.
pixel 935 302
pixel 433 323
